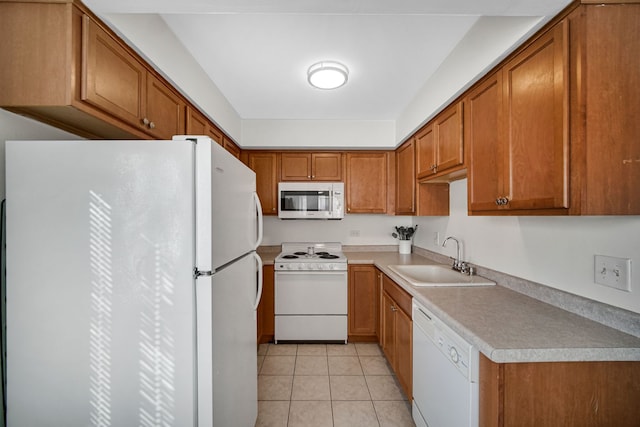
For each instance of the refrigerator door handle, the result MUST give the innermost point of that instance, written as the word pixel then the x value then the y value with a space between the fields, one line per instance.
pixel 259 293
pixel 260 228
pixel 199 273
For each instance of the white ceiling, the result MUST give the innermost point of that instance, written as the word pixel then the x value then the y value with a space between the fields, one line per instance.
pixel 257 52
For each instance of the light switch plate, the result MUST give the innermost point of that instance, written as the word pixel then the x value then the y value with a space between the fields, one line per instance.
pixel 613 272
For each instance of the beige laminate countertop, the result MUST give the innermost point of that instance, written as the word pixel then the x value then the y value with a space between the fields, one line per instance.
pixel 507 326
pixel 504 325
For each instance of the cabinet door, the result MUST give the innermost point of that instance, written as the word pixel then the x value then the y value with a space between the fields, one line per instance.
pixel 266 308
pixel 216 134
pixel 264 164
pixel 388 328
pixel 559 393
pixel 380 305
pixel 426 151
pixel 231 147
pixel 484 150
pixel 366 182
pixel 405 179
pixel 449 145
pixel 295 167
pixel 165 110
pixel 326 166
pixel 606 127
pixel 404 351
pixel 363 303
pixel 112 79
pixel 536 124
pixel 197 124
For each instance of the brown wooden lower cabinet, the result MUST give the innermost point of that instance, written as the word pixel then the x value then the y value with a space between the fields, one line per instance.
pixel 363 307
pixel 559 394
pixel 397 332
pixel 266 308
pixel 379 276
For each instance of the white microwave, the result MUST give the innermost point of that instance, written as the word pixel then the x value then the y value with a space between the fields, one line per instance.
pixel 311 200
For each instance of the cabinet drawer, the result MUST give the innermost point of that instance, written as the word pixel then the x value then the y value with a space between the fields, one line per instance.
pixel 401 297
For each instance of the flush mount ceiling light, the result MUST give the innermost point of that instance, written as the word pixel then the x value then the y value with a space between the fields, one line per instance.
pixel 327 75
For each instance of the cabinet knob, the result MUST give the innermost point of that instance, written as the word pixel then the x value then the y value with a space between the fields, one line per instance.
pixel 393 308
pixel 433 168
pixel 502 201
pixel 273 209
pixel 308 176
pixel 145 121
pixel 152 125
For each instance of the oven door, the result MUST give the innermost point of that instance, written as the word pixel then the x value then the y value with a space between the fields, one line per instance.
pixel 311 306
pixel 310 292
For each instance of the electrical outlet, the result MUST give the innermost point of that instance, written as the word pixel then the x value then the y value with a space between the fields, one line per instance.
pixel 436 238
pixel 613 272
pixel 354 233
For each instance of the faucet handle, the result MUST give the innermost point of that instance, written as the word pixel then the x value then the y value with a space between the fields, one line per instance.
pixel 463 267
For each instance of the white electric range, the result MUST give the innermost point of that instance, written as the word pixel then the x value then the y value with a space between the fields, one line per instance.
pixel 311 293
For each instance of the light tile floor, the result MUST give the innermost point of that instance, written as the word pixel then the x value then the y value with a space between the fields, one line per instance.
pixel 310 385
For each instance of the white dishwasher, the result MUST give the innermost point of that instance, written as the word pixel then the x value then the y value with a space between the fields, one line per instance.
pixel 445 374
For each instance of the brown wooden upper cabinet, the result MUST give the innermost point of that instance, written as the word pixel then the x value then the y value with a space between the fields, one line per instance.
pixel 70 71
pixel 439 145
pixel 366 182
pixel 198 124
pixel 231 147
pixel 115 81
pixel 406 179
pixel 311 167
pixel 605 109
pixel 517 131
pixel 264 164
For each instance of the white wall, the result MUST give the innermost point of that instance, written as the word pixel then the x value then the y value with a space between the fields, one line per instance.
pixel 343 134
pixel 489 41
pixel 555 251
pixel 13 126
pixel 372 230
pixel 153 40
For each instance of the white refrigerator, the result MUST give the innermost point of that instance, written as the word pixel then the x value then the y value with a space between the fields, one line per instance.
pixel 132 284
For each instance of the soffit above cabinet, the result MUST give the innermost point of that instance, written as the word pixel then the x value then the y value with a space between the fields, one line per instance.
pixel 257 53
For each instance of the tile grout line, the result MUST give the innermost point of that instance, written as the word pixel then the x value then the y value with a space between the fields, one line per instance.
pixel 358 353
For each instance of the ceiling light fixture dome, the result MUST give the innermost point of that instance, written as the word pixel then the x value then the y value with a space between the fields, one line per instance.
pixel 327 75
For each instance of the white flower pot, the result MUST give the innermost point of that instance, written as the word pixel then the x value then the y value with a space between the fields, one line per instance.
pixel 404 246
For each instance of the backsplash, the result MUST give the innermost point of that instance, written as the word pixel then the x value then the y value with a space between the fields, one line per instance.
pixel 617 318
pixel 556 251
pixel 352 230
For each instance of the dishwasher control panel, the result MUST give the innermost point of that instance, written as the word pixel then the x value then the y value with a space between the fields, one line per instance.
pixel 457 350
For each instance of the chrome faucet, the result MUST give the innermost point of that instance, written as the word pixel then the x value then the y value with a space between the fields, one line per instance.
pixel 458 264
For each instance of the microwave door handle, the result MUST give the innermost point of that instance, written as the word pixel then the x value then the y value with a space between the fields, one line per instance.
pixel 332 195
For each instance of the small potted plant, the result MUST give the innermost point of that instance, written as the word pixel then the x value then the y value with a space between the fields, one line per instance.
pixel 404 235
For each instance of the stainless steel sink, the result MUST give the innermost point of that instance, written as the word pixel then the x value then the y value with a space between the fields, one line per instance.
pixel 437 275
